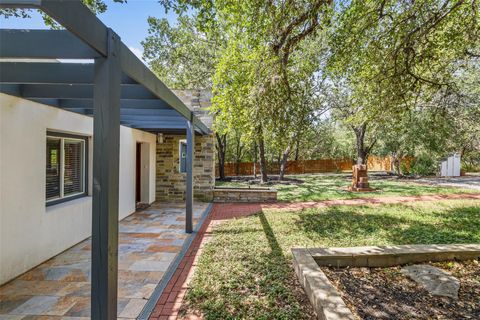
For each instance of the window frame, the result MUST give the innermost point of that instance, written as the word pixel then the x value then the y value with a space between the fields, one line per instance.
pixel 67 136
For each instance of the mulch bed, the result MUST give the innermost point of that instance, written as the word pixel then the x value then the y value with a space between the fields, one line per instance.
pixel 385 293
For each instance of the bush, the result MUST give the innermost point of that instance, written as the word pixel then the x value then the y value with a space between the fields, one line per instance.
pixel 468 167
pixel 423 165
pixel 404 168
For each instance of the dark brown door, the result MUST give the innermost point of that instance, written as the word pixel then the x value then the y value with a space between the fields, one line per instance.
pixel 138 174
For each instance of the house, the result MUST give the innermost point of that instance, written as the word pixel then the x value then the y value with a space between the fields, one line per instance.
pixel 42 214
pixel 82 144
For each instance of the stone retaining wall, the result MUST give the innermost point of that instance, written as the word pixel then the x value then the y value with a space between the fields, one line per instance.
pixel 244 195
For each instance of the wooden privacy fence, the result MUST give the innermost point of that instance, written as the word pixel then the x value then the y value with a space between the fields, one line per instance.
pixel 309 166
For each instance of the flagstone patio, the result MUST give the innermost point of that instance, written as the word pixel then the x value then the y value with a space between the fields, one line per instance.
pixel 149 241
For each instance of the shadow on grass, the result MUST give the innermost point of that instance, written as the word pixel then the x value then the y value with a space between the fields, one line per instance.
pixel 244 274
pixel 272 240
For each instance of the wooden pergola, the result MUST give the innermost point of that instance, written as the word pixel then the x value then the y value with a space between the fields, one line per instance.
pixel 117 88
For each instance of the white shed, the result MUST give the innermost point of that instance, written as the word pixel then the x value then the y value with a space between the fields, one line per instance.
pixel 450 167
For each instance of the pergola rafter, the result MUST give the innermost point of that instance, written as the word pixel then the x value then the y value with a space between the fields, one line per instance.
pixel 74 81
pixel 116 88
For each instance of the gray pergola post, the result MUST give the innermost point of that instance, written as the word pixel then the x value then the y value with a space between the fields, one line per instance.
pixel 106 146
pixel 189 182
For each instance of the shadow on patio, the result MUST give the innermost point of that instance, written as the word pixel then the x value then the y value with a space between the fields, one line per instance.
pixel 149 241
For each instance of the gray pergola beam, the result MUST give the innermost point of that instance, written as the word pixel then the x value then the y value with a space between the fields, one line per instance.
pixel 189 177
pixel 21 4
pixel 79 91
pixel 79 20
pixel 155 114
pixel 106 155
pixel 132 66
pixel 178 127
pixel 73 16
pixel 153 118
pixel 160 113
pixel 131 105
pixel 151 123
pixel 50 73
pixel 43 44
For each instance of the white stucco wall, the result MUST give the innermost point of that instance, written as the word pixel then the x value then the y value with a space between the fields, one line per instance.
pixel 30 232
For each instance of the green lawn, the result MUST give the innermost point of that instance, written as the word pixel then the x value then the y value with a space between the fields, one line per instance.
pixel 245 271
pixel 316 187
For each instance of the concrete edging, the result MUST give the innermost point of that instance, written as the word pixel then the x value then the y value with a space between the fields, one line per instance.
pixel 325 298
pixel 388 256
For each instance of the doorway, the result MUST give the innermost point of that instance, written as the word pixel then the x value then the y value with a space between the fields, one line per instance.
pixel 138 173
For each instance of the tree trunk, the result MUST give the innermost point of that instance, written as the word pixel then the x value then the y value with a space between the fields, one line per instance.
pixel 255 160
pixel 283 163
pixel 396 163
pixel 297 149
pixel 221 150
pixel 261 151
pixel 238 156
pixel 237 167
pixel 362 150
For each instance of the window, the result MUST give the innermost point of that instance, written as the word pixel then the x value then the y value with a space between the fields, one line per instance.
pixel 66 167
pixel 183 156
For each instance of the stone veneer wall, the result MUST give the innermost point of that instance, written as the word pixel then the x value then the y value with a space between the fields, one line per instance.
pixel 170 182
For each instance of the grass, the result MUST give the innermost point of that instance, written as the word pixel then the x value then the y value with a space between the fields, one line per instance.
pixel 317 187
pixel 245 271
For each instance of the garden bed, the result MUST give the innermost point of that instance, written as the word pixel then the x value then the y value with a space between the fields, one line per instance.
pixel 386 293
pixel 337 293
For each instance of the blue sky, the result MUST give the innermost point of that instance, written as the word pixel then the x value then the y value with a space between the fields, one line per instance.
pixel 128 20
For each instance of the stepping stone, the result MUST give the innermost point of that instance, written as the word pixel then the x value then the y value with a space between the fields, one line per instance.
pixel 436 281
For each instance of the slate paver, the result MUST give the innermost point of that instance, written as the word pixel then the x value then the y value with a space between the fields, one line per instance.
pixel 436 281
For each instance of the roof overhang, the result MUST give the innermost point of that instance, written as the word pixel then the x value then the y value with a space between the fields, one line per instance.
pixel 146 103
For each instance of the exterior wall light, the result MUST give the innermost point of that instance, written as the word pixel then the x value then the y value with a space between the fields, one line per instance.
pixel 160 138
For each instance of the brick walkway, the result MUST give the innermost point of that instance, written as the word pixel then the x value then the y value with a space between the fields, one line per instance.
pixel 170 301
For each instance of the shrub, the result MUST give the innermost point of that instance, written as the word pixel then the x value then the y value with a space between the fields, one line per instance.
pixel 423 165
pixel 404 168
pixel 468 167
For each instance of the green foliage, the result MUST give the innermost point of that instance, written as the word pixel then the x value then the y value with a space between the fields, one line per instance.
pixel 391 51
pixel 424 165
pixel 399 78
pixel 264 80
pixel 405 169
pixel 181 55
